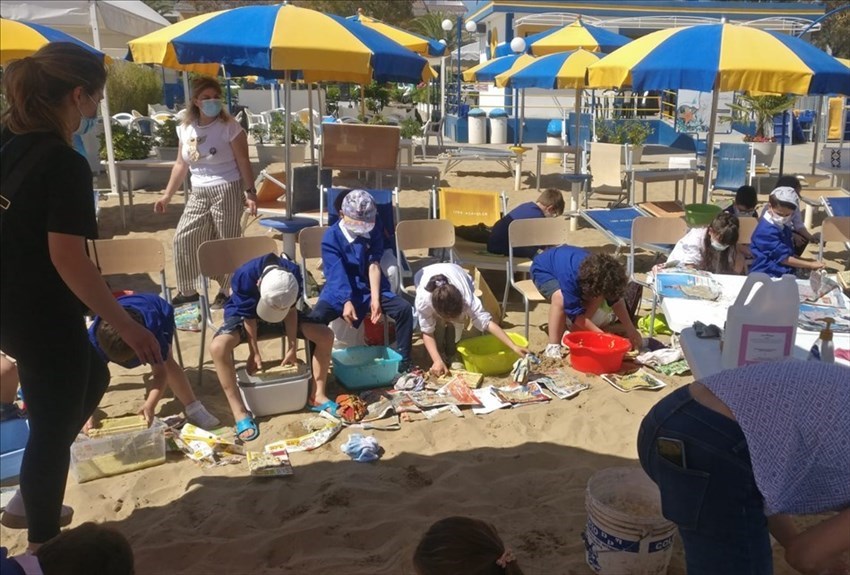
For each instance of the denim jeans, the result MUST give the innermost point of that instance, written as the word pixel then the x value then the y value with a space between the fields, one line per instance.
pixel 713 499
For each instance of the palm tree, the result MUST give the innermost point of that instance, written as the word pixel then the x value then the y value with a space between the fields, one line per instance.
pixel 431 26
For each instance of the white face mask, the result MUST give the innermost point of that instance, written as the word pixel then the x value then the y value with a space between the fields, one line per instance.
pixel 777 219
pixel 357 232
pixel 718 246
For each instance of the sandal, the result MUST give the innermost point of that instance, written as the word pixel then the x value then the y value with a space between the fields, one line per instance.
pixel 247 424
pixel 330 406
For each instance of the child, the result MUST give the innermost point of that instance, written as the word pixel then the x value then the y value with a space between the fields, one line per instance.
pixel 549 204
pixel 771 244
pixel 800 236
pixel 713 249
pixel 156 315
pixel 577 283
pixel 355 284
pixel 84 550
pixel 445 294
pixel 745 203
pixel 263 293
pixel 463 545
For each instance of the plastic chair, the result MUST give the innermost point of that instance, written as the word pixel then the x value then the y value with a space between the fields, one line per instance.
pixel 143 124
pixel 422 235
pixel 133 256
pixel 529 233
pixel 735 166
pixel 432 129
pixel 465 207
pixel 310 248
pixel 834 229
pixel 122 118
pixel 223 257
pixel 606 170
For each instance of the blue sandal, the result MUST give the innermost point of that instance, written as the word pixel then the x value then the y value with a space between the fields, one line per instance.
pixel 247 424
pixel 330 406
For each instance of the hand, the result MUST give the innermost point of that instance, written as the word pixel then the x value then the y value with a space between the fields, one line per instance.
pixel 290 358
pixel 160 205
pixel 141 341
pixel 818 265
pixel 88 425
pixel 636 339
pixel 815 239
pixel 254 363
pixel 520 351
pixel 147 411
pixel 375 308
pixel 439 368
pixel 251 203
pixel 348 313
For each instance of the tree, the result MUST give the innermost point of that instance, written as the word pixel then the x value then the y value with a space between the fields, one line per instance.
pixel 395 12
pixel 431 26
pixel 161 6
pixel 835 30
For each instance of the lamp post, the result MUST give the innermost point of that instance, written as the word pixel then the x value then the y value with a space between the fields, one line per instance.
pixel 518 46
pixel 447 26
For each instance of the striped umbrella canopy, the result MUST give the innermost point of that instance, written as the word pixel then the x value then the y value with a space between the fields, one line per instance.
pixel 721 58
pixel 20 39
pixel 570 37
pixel 419 44
pixel 487 71
pixel 282 40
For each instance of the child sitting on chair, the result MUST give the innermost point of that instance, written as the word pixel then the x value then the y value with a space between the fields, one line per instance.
pixel 445 296
pixel 772 244
pixel 263 294
pixel 800 236
pixel 744 204
pixel 578 283
pixel 463 545
pixel 354 282
pixel 157 315
pixel 549 204
pixel 713 249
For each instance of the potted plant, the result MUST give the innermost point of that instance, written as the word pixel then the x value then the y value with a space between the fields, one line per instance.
pixel 167 140
pixel 270 147
pixel 761 109
pixel 129 145
pixel 632 132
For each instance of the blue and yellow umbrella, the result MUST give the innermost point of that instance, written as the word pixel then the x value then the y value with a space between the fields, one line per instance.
pixel 419 44
pixel 577 35
pixel 487 71
pixel 21 39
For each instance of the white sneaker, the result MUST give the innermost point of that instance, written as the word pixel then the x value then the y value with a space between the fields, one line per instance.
pixel 15 516
pixel 553 350
pixel 198 415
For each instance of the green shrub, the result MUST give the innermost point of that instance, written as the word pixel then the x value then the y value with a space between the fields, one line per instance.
pixel 132 87
pixel 128 144
pixel 410 127
pixel 632 132
pixel 166 134
pixel 298 132
pixel 332 95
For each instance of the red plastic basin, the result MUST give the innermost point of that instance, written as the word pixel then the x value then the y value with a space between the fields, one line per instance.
pixel 592 352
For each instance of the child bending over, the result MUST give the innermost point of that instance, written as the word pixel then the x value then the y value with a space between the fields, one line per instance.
pixel 549 204
pixel 713 249
pixel 157 315
pixel 577 283
pixel 463 545
pixel 772 245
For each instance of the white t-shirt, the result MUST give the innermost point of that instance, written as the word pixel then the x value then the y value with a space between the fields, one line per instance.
pixel 214 164
pixel 688 250
pixel 457 276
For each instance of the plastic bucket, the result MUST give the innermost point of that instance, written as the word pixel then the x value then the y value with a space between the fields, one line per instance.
pixel 700 215
pixel 486 354
pixel 626 533
pixel 592 352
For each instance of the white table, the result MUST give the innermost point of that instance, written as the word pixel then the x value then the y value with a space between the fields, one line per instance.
pixel 130 166
pixel 667 175
pixel 542 149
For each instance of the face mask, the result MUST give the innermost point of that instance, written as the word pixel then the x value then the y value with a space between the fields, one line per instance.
pixel 718 246
pixel 744 212
pixel 86 124
pixel 779 220
pixel 211 108
pixel 358 231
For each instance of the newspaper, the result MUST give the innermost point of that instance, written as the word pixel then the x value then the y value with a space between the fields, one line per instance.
pixel 428 399
pixel 810 316
pixel 641 379
pixel 472 379
pixel 489 400
pixel 520 394
pixel 687 284
pixel 205 447
pixel 458 389
pixel 453 409
pixel 320 429
pixel 563 387
pixel 271 462
pixel 822 291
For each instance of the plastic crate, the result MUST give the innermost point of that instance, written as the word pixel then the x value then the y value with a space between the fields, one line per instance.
pixel 283 394
pixel 13 439
pixel 365 367
pixel 486 354
pixel 119 453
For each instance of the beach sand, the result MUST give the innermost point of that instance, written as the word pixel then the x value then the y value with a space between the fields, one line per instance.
pixel 525 470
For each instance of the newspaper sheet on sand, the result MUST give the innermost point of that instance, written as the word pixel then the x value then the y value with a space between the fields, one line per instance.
pixel 273 461
pixel 319 430
pixel 640 379
pixel 691 284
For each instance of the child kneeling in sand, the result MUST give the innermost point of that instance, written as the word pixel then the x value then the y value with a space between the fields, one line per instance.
pixel 578 283
pixel 264 291
pixel 463 545
pixel 157 315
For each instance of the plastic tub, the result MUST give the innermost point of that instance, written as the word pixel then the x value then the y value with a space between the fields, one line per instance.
pixel 270 396
pixel 592 352
pixel 14 434
pixel 486 354
pixel 119 453
pixel 700 215
pixel 365 367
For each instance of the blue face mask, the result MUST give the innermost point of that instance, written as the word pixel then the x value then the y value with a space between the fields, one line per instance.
pixel 86 124
pixel 211 108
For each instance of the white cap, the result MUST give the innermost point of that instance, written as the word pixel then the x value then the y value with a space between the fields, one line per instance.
pixel 786 194
pixel 278 292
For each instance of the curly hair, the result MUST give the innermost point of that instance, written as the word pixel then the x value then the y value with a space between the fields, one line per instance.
pixel 602 275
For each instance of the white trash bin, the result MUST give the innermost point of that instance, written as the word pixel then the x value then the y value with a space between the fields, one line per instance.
pixel 477 126
pixel 553 138
pixel 498 126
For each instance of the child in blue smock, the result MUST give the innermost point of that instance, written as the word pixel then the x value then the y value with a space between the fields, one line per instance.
pixel 577 283
pixel 772 245
pixel 263 295
pixel 549 204
pixel 354 282
pixel 157 316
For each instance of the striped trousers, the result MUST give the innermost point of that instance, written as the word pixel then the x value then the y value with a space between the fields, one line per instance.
pixel 211 213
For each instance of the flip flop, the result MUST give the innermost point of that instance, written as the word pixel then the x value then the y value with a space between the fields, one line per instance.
pixel 247 424
pixel 330 406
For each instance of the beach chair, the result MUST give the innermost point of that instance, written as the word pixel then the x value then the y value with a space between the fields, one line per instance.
pixel 834 229
pixel 310 248
pixel 526 233
pixel 422 235
pixel 133 256
pixel 736 164
pixel 658 235
pixel 144 125
pixel 220 258
pixel 608 175
pixel 432 128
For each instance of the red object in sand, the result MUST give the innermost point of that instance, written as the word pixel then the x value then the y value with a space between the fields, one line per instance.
pixel 592 352
pixel 373 334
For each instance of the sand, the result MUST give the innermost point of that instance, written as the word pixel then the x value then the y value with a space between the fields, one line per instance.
pixel 525 470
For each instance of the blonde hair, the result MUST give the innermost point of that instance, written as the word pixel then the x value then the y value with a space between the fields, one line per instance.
pixel 36 86
pixel 199 84
pixel 552 198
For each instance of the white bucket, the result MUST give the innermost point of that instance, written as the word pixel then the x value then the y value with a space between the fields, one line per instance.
pixel 626 533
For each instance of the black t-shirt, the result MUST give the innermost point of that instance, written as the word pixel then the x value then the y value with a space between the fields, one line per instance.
pixel 56 196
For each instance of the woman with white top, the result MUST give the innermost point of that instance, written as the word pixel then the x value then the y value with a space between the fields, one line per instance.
pixel 214 149
pixel 445 295
pixel 713 249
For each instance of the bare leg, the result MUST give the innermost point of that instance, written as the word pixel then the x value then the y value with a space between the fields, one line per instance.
pixel 557 318
pixel 323 339
pixel 221 349
pixel 8 380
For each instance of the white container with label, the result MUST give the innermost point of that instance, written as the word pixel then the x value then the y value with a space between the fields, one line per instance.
pixel 762 323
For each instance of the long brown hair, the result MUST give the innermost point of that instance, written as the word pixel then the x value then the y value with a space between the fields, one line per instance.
pixel 445 298
pixel 463 545
pixel 36 86
pixel 199 84
pixel 726 229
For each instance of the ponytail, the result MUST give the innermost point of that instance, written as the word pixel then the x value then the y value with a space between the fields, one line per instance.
pixel 446 298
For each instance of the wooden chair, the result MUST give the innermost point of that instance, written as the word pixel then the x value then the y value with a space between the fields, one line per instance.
pixel 133 256
pixel 746 227
pixel 528 233
pixel 608 176
pixel 223 257
pixel 834 229
pixel 310 248
pixel 422 235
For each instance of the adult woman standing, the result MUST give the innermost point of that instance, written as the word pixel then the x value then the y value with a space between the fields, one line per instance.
pixel 214 148
pixel 46 275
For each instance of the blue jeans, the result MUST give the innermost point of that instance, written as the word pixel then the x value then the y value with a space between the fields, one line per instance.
pixel 713 499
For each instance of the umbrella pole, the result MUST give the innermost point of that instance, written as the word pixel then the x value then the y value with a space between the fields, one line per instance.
pixel 104 110
pixel 363 102
pixel 782 144
pixel 522 117
pixel 186 91
pixel 710 146
pixel 287 98
pixel 578 143
pixel 312 136
pixel 816 129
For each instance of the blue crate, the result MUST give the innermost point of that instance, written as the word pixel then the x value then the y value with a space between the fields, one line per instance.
pixel 13 439
pixel 365 367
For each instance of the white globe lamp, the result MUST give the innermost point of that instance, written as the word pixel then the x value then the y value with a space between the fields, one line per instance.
pixel 447 25
pixel 518 45
pixel 471 27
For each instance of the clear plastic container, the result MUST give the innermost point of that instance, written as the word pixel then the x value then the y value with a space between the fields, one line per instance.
pixel 119 453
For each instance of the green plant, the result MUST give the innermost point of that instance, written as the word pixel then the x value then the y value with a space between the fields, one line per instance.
pixel 377 120
pixel 258 131
pixel 298 132
pixel 332 95
pixel 132 87
pixel 632 132
pixel 762 109
pixel 410 127
pixel 166 134
pixel 127 144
